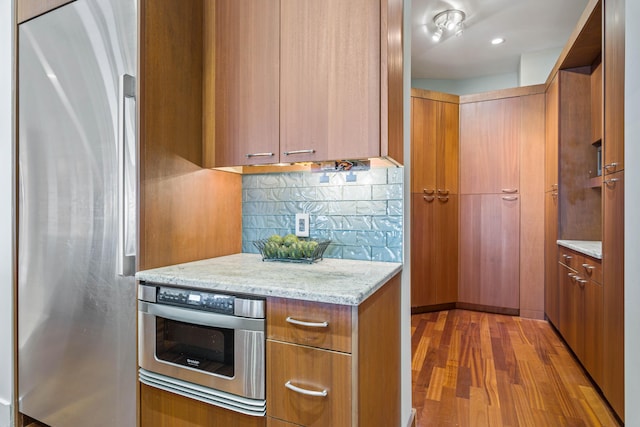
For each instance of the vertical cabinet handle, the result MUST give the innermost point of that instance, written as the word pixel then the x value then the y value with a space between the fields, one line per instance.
pixel 126 261
pixel 304 391
pixel 307 324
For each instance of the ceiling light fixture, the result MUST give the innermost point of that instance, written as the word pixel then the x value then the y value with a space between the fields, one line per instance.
pixel 497 40
pixel 450 20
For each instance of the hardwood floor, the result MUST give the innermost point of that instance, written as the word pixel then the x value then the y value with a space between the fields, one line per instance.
pixel 480 369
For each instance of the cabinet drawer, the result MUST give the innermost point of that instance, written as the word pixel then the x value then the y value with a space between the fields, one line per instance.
pixel 591 268
pixel 310 370
pixel 303 322
pixel 570 258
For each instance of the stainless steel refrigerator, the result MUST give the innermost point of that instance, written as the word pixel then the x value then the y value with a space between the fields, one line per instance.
pixel 77 215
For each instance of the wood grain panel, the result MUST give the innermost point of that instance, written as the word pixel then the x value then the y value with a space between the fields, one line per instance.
pixel 28 9
pixel 379 365
pixel 423 251
pixel 187 213
pixel 391 80
pixel 336 336
pixel 435 96
pixel 312 369
pixel 551 292
pixel 580 216
pixel 613 282
pixel 503 93
pixel 593 330
pixel 446 249
pixel 552 130
pixel 489 250
pixel 330 93
pixel 424 133
pixel 570 310
pixel 613 58
pixel 489 146
pixel 274 422
pixel 160 408
pixel 246 91
pixel 447 147
pixel 532 207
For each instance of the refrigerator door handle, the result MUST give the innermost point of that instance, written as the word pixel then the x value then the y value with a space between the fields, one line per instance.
pixel 126 263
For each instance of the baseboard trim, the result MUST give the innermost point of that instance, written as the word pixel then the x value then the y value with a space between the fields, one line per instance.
pixel 431 308
pixel 412 419
pixel 465 306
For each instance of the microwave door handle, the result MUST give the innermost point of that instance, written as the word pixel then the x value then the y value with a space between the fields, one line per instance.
pixel 126 259
pixel 200 317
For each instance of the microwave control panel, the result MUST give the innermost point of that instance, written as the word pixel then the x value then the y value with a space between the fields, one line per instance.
pixel 218 303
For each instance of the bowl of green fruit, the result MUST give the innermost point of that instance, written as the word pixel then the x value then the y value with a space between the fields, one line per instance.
pixel 291 248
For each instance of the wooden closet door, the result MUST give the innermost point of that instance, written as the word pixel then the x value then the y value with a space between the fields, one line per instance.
pixel 445 247
pixel 423 254
pixel 490 250
pixel 490 146
pixel 447 147
pixel 424 134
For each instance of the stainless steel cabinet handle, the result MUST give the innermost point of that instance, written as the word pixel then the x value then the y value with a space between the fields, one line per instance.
pixel 443 192
pixel 443 199
pixel 588 267
pixel 289 153
pixel 581 280
pixel 554 186
pixel 571 275
pixel 250 155
pixel 510 190
pixel 567 257
pixel 554 194
pixel 612 165
pixel 306 392
pixel 429 192
pixel 307 324
pixel 510 198
pixel 126 262
pixel 608 182
pixel 428 198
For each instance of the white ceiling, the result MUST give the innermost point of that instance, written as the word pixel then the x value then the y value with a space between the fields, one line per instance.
pixel 527 25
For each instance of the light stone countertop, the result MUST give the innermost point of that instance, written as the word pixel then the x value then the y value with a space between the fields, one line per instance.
pixel 591 248
pixel 336 281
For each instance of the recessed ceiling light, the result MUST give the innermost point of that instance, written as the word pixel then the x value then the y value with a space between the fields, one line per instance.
pixel 497 40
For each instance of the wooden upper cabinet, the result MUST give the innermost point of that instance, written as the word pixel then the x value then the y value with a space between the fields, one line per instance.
pixel 613 59
pixel 434 146
pixel 330 79
pixel 490 146
pixel 246 83
pixel 552 136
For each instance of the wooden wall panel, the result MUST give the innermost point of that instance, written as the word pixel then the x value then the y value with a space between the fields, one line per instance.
pixel 552 129
pixel 613 59
pixel 424 131
pixel 532 207
pixel 391 80
pixel 187 212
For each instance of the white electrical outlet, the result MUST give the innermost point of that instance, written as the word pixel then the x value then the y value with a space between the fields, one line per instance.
pixel 302 225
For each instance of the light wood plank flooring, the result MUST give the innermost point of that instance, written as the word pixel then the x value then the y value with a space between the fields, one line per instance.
pixel 480 369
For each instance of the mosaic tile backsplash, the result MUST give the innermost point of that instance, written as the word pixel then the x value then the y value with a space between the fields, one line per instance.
pixel 363 218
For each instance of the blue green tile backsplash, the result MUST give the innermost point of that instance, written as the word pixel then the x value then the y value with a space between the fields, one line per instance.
pixel 363 218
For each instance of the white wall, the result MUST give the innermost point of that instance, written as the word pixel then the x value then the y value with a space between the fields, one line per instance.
pixel 6 212
pixel 468 86
pixel 632 214
pixel 536 66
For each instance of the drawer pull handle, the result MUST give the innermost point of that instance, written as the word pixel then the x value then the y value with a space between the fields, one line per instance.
pixel 306 392
pixel 307 324
pixel 611 182
pixel 510 190
pixel 510 198
pixel 443 192
pixel 289 153
pixel 567 257
pixel 427 191
pixel 588 267
pixel 611 166
pixel 428 198
pixel 443 199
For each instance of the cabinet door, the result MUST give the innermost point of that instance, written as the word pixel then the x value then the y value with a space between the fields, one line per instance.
pixel 489 250
pixel 446 249
pixel 551 295
pixel 613 282
pixel 613 58
pixel 330 74
pixel 552 132
pixel 570 302
pixel 247 83
pixel 593 335
pixel 490 146
pixel 424 130
pixel 423 254
pixel 447 148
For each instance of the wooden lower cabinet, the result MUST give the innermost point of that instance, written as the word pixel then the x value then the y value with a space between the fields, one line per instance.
pixel 362 385
pixel 160 408
pixel 434 250
pixel 582 312
pixel 551 292
pixel 490 251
